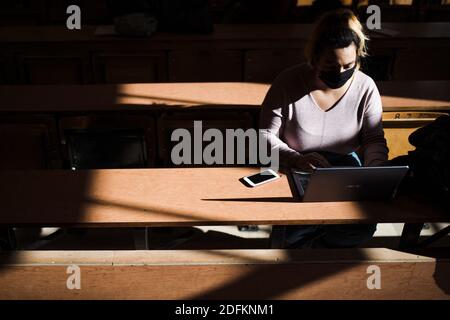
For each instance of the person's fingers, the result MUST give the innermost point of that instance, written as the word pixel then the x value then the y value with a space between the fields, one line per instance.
pixel 319 161
pixel 311 161
pixel 322 160
pixel 315 162
pixel 309 168
pixel 326 164
pixel 304 166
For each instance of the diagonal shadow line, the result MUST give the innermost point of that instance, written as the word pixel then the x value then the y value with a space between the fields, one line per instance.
pixel 190 218
pixel 442 271
pixel 184 101
pixel 269 281
pixel 151 210
pixel 266 199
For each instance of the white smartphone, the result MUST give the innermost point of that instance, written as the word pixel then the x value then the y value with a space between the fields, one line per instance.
pixel 261 178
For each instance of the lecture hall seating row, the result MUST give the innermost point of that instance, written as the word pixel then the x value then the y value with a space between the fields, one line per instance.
pixel 251 53
pixel 96 198
pixel 92 126
pixel 103 141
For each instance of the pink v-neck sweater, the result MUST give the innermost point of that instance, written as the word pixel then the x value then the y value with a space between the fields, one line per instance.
pixel 292 122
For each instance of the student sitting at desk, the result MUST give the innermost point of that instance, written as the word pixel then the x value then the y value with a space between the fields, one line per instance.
pixel 320 113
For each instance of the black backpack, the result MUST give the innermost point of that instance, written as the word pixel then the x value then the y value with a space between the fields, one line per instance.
pixel 430 161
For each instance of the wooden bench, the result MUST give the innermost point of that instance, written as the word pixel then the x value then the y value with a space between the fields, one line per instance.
pixel 224 274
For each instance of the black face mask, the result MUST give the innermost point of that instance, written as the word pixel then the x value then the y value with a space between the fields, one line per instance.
pixel 335 79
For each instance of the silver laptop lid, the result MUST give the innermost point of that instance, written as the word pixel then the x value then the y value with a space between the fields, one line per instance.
pixel 349 183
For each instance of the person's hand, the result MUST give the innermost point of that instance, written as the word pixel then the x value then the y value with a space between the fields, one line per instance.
pixel 310 161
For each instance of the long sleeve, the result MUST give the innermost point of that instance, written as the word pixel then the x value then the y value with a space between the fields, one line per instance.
pixel 373 142
pixel 272 123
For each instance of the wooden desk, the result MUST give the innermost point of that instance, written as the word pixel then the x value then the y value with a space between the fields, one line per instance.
pixel 396 96
pixel 252 52
pixel 180 197
pixel 129 97
pixel 413 30
pixel 415 95
pixel 236 32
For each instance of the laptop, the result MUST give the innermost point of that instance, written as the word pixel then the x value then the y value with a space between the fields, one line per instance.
pixel 347 183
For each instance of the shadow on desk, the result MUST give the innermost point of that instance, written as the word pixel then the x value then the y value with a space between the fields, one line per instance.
pixel 442 271
pixel 339 276
pixel 442 277
pixel 266 199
